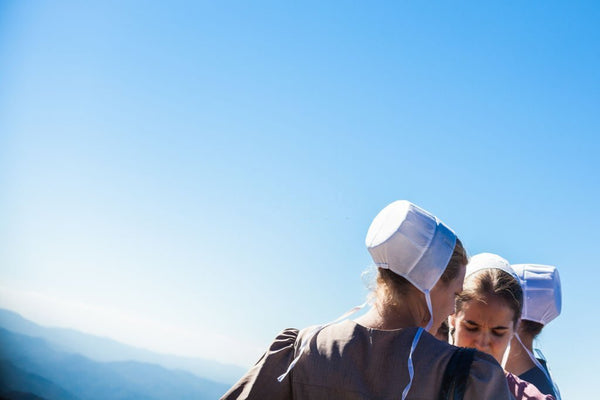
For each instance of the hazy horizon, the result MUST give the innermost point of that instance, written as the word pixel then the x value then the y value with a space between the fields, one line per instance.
pixel 97 321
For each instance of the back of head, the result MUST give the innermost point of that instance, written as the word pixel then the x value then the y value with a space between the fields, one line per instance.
pixel 413 250
pixel 391 287
pixel 411 242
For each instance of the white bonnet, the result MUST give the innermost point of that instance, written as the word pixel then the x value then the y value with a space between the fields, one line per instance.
pixel 411 242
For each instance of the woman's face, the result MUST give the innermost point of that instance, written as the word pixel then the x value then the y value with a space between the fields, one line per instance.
pixel 442 298
pixel 486 325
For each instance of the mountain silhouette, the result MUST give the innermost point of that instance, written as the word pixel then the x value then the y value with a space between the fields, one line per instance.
pixel 35 368
pixel 107 350
pixel 14 380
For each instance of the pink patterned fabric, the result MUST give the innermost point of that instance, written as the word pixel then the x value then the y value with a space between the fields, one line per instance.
pixel 523 390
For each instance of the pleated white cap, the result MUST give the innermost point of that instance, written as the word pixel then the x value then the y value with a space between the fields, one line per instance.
pixel 411 242
pixel 488 260
pixel 541 291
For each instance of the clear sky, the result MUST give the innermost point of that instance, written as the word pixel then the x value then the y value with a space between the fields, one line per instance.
pixel 194 177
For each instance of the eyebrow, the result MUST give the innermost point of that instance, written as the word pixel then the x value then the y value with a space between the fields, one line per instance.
pixel 476 324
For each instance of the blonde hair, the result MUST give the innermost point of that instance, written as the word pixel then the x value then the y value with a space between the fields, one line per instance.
pixel 391 288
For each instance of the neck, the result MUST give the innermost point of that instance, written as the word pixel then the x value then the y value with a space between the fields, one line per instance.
pixel 519 361
pixel 389 318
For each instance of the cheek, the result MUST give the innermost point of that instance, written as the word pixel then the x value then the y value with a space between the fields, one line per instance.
pixel 464 338
pixel 449 306
pixel 498 347
pixel 501 343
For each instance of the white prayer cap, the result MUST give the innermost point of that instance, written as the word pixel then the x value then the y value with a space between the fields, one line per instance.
pixel 411 242
pixel 489 261
pixel 541 291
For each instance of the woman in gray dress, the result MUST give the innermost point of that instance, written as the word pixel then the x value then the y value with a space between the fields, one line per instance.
pixel 389 352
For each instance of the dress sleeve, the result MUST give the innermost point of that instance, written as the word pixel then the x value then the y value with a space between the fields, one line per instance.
pixel 260 382
pixel 486 380
pixel 524 390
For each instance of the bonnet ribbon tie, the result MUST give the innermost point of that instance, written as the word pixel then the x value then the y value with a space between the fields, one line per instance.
pixel 540 366
pixel 411 369
pixel 317 329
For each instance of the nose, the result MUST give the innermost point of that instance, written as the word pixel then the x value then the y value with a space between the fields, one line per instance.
pixel 483 341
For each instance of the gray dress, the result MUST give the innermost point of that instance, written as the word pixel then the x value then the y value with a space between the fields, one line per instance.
pixel 349 361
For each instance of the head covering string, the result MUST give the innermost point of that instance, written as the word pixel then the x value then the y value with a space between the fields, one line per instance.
pixel 306 340
pixel 540 366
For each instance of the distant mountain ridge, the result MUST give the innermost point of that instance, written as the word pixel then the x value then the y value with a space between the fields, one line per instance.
pixel 31 365
pixel 107 350
pixel 14 381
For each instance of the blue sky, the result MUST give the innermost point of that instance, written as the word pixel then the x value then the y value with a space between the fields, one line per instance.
pixel 194 177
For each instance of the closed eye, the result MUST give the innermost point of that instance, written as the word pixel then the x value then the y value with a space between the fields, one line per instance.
pixel 470 326
pixel 499 332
